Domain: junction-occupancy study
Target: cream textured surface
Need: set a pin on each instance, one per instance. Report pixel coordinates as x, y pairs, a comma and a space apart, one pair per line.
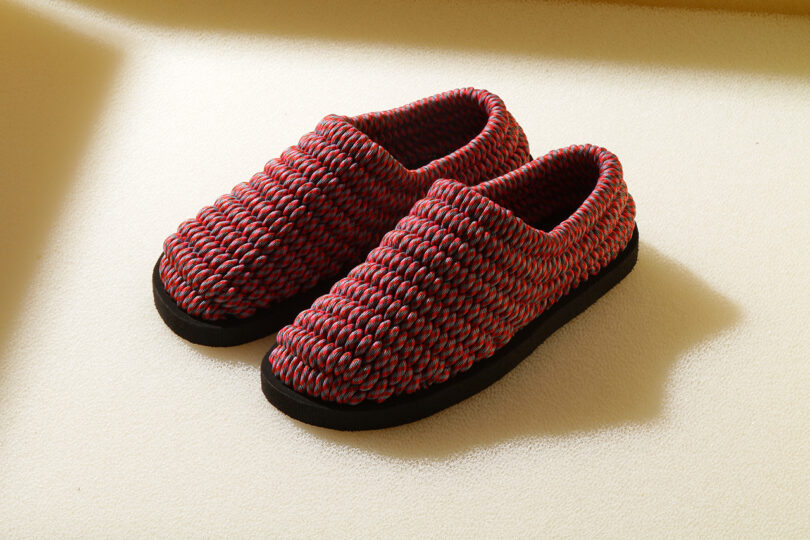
676, 406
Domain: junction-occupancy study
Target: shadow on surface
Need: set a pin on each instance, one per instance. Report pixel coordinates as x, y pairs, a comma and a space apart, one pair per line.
605, 369
54, 83
248, 354
606, 33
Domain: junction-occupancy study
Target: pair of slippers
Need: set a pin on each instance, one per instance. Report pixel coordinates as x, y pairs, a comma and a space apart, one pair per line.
407, 258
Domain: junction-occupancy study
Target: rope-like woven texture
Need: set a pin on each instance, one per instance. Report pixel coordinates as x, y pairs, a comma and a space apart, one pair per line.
458, 277
327, 201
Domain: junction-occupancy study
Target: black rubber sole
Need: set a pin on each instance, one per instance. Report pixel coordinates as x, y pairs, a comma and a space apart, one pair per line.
408, 408
229, 332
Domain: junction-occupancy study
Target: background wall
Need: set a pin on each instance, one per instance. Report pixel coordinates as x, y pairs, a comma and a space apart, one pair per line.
794, 7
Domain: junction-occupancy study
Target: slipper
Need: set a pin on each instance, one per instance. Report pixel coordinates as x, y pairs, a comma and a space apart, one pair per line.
244, 267
464, 288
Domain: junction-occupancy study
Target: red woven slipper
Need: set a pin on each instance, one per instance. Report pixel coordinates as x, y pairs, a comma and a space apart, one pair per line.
247, 265
464, 288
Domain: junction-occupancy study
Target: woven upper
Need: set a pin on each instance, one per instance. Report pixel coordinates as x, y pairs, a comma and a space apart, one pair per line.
464, 271
327, 201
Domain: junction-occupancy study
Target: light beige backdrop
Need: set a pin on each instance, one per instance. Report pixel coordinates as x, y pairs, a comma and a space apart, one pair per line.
675, 407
